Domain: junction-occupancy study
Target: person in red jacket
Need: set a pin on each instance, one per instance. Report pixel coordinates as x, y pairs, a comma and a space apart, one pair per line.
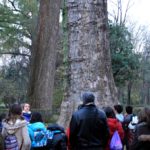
113, 125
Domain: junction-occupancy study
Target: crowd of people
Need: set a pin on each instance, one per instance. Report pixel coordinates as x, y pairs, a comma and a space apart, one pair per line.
90, 128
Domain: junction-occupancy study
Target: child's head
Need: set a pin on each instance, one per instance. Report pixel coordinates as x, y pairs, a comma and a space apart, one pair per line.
36, 117
129, 109
26, 107
15, 109
118, 108
109, 112
15, 112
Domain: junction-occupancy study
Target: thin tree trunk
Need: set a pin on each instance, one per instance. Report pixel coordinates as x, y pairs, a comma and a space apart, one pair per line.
44, 55
129, 92
89, 56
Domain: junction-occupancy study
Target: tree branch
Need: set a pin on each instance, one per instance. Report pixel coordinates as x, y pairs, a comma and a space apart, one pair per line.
14, 53
15, 9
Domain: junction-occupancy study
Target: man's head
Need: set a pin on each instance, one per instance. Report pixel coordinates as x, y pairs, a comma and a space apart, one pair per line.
88, 97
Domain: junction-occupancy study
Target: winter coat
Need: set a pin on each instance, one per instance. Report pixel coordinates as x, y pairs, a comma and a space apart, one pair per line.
26, 116
114, 125
19, 128
141, 139
128, 138
33, 127
120, 117
88, 129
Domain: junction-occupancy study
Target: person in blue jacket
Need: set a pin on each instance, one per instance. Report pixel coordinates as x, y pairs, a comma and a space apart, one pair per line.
37, 132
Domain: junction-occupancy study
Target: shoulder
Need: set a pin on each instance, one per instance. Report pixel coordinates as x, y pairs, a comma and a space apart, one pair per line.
141, 125
36, 125
101, 113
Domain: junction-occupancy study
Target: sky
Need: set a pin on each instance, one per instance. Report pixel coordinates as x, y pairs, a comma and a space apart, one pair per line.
139, 11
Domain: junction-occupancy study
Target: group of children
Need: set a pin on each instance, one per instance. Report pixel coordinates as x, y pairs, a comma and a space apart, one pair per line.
134, 130
121, 122
25, 125
23, 130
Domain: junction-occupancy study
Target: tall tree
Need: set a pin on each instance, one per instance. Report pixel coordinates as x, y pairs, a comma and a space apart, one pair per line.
89, 56
44, 55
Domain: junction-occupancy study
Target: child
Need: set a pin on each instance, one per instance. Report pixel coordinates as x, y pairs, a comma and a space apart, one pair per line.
113, 125
37, 132
118, 112
15, 125
26, 113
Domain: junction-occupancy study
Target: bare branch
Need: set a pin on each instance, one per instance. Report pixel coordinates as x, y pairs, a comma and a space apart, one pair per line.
15, 9
126, 11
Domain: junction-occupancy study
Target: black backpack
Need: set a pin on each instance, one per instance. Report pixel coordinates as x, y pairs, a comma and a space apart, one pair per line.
57, 139
127, 120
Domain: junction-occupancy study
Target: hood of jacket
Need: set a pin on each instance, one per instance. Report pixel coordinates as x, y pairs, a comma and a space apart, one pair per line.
112, 123
11, 127
120, 117
37, 125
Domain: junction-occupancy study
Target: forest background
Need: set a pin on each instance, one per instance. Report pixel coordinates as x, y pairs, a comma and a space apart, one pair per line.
129, 49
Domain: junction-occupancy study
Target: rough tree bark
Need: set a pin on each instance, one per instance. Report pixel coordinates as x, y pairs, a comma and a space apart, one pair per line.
44, 55
89, 56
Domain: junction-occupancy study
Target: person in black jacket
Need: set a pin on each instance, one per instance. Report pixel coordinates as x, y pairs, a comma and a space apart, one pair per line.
88, 126
141, 139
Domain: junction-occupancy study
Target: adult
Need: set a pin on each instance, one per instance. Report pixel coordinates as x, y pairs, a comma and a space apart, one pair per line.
15, 124
88, 126
141, 139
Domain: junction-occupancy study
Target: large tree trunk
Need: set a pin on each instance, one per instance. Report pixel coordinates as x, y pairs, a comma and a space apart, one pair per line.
89, 56
44, 55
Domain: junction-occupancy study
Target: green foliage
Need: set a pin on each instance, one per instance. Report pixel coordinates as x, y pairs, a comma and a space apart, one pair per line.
125, 62
18, 20
13, 83
17, 24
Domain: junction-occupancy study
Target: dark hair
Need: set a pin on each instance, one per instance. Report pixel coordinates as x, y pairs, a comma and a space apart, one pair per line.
15, 109
129, 109
36, 117
144, 115
109, 112
15, 112
118, 108
88, 97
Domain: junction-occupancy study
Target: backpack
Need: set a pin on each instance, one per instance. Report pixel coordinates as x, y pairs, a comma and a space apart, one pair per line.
40, 138
56, 138
115, 143
10, 142
127, 120
133, 122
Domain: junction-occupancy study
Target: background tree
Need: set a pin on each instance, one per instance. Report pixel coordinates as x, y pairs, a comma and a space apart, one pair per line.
13, 82
125, 62
17, 29
44, 55
123, 46
145, 71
